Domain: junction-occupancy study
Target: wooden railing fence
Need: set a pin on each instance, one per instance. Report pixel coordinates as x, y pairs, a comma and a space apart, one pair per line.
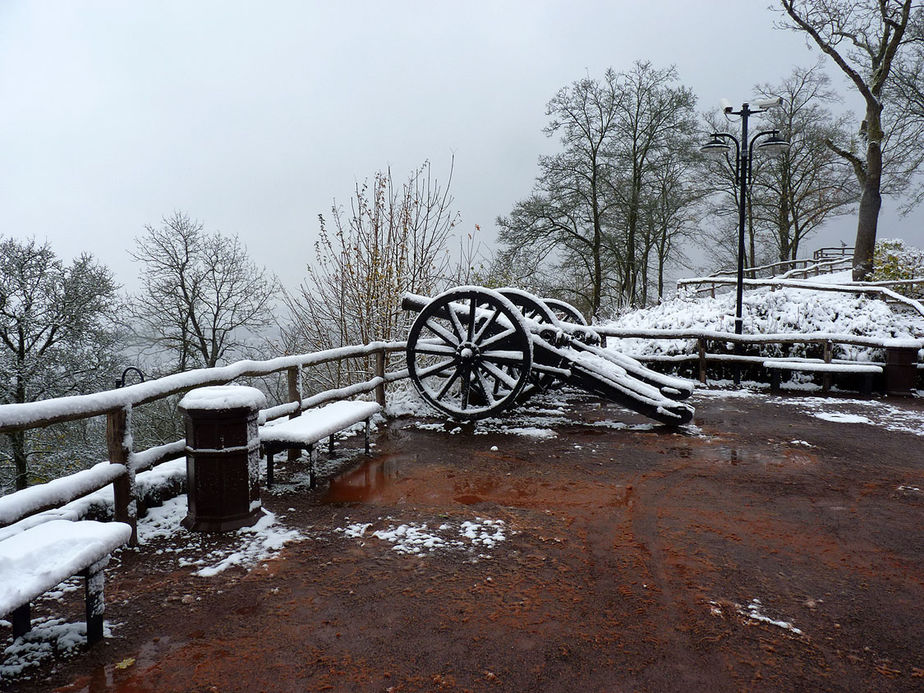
124, 462
703, 338
753, 275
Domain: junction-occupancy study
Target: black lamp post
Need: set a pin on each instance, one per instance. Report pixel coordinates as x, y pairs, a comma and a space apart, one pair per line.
744, 153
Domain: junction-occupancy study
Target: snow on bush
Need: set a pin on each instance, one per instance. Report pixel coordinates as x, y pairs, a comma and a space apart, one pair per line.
798, 311
895, 259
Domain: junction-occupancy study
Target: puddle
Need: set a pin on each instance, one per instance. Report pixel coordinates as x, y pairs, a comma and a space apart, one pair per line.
122, 675
368, 482
405, 480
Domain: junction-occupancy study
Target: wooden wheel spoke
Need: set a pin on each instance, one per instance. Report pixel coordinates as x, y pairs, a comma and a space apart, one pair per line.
441, 332
486, 326
499, 375
498, 338
472, 309
448, 384
433, 349
434, 369
485, 390
454, 320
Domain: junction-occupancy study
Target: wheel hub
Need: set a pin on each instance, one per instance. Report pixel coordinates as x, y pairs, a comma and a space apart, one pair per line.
467, 352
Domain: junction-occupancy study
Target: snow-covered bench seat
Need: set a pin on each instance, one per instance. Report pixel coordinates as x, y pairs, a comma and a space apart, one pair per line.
40, 557
865, 370
313, 425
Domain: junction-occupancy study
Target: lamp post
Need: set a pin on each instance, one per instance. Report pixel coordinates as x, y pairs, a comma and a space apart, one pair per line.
744, 153
120, 382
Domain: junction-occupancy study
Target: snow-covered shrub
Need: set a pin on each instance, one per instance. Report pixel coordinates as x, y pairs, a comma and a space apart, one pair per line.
798, 311
894, 259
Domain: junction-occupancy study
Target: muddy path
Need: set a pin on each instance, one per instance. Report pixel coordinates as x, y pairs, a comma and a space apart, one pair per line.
573, 548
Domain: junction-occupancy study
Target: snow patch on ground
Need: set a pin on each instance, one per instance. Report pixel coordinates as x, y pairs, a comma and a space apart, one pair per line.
49, 638
246, 547
839, 417
753, 612
872, 412
470, 536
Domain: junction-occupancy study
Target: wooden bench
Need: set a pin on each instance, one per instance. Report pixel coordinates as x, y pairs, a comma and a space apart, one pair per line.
42, 556
313, 425
865, 370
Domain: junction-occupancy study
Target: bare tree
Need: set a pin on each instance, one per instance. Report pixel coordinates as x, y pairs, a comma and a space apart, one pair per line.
796, 192
395, 239
655, 117
569, 207
201, 293
57, 333
864, 38
585, 211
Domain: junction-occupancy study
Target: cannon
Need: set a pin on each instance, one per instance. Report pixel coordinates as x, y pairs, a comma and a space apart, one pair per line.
474, 352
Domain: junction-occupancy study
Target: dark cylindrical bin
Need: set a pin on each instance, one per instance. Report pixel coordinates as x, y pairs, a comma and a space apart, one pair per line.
901, 366
222, 457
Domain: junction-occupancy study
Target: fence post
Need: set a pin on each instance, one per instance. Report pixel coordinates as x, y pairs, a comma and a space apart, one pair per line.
380, 373
293, 378
828, 354
118, 442
701, 345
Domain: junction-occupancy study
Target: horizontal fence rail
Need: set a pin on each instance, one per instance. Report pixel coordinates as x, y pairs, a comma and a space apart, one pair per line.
805, 267
117, 406
702, 357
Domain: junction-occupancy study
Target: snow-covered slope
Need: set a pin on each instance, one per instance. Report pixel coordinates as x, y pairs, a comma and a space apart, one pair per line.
771, 312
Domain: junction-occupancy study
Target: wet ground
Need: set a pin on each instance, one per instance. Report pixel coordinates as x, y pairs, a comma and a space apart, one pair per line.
574, 547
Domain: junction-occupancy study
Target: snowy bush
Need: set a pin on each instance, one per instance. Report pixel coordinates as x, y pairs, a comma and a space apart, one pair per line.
790, 311
894, 259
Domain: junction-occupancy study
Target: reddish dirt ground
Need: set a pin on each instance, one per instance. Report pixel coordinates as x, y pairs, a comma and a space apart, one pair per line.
630, 558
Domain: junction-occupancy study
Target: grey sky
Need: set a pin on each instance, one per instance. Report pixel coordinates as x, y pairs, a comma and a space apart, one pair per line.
253, 116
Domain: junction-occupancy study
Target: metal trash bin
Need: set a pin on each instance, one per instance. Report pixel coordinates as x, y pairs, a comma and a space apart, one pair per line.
901, 366
222, 457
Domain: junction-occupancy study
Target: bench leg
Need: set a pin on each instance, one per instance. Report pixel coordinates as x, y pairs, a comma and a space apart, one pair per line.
367, 436
866, 384
269, 468
311, 482
22, 620
96, 605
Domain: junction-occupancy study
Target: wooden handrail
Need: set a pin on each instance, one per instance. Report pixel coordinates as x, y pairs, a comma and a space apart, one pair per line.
15, 417
117, 405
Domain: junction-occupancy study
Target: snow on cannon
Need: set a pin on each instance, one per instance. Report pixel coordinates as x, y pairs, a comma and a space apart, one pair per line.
473, 352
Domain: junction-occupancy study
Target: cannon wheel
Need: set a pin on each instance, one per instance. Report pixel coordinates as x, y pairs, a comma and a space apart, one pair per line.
531, 306
565, 311
534, 308
469, 353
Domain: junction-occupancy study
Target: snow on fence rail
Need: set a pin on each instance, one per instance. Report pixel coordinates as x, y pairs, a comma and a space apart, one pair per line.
124, 462
798, 268
804, 267
826, 340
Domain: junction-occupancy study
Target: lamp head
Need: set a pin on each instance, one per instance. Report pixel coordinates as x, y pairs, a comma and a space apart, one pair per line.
773, 145
715, 147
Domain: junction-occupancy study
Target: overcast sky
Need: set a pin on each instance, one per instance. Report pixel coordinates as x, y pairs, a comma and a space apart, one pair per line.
253, 116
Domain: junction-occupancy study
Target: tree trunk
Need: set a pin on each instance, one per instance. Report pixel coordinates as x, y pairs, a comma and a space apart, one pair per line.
868, 216
18, 446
